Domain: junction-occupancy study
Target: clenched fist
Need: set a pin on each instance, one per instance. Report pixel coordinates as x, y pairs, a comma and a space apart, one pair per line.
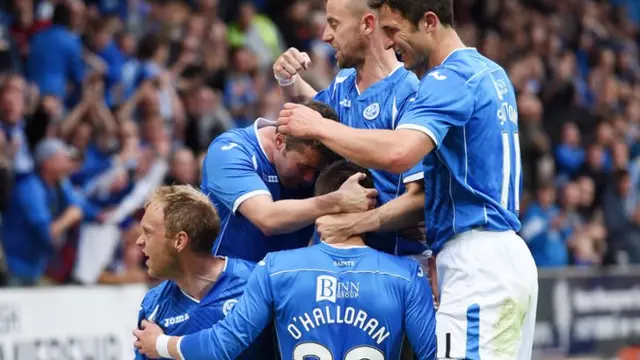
290, 63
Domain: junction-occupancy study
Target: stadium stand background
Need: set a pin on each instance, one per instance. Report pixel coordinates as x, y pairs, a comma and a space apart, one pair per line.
139, 89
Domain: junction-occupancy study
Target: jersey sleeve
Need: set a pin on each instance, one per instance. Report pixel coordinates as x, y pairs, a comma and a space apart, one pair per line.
443, 101
229, 337
231, 175
416, 173
324, 96
419, 317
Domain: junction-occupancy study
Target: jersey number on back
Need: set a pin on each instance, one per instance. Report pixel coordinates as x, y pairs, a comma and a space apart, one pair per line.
508, 113
508, 156
306, 350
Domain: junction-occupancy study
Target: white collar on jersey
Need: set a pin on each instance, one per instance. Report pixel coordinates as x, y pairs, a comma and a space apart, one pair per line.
345, 247
259, 124
456, 50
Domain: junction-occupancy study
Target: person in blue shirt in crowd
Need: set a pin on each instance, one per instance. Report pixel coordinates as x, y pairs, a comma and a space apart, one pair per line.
546, 230
107, 49
42, 208
347, 301
12, 109
370, 92
261, 183
199, 289
465, 113
56, 56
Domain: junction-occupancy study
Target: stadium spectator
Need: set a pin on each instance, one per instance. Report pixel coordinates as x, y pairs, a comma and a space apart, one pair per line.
622, 217
9, 51
13, 90
56, 54
545, 229
42, 209
258, 33
182, 168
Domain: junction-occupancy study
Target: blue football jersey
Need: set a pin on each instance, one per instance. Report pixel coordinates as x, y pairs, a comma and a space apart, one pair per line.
235, 169
467, 106
378, 107
179, 314
328, 303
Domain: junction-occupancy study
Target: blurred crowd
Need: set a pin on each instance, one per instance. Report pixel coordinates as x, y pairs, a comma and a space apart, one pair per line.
101, 101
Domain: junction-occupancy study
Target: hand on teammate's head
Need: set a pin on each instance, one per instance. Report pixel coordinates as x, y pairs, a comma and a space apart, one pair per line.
299, 121
355, 197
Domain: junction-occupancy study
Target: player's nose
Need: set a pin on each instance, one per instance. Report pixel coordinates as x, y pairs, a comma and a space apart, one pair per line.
326, 35
140, 241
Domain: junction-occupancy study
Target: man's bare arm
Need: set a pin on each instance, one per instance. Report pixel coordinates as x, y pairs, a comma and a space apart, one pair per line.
299, 92
284, 216
391, 150
403, 212
286, 70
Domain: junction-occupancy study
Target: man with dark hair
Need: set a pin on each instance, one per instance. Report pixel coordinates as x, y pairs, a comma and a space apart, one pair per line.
337, 173
371, 91
178, 229
261, 183
346, 301
465, 112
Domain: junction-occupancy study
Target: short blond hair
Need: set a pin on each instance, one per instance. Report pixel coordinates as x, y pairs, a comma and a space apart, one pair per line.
187, 209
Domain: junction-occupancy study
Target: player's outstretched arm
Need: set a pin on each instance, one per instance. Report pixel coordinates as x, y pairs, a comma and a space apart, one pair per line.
392, 150
229, 337
286, 69
226, 339
284, 216
229, 174
405, 211
420, 318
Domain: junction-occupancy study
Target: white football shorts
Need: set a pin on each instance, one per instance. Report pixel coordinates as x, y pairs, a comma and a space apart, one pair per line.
488, 285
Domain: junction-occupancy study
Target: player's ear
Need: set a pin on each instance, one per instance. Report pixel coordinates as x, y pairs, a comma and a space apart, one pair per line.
280, 141
368, 23
429, 21
181, 241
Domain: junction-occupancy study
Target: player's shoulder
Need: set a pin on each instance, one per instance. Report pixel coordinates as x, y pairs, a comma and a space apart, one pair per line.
466, 65
405, 77
239, 268
404, 86
397, 266
235, 141
156, 294
290, 260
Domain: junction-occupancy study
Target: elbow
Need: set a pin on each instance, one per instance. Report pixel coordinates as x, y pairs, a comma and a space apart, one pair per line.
399, 160
266, 226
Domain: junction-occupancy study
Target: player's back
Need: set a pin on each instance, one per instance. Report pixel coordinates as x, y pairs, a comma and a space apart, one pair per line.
348, 303
472, 115
179, 314
378, 107
236, 168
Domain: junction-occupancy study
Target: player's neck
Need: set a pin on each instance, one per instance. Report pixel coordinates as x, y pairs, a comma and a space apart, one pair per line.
198, 274
377, 65
352, 241
448, 41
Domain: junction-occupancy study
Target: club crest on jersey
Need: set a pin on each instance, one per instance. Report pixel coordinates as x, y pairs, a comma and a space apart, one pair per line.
228, 305
372, 111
